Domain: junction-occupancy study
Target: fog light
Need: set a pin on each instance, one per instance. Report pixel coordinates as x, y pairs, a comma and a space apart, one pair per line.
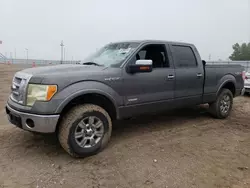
30, 123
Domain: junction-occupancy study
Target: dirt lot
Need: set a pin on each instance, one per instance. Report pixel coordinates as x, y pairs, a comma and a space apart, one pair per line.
184, 149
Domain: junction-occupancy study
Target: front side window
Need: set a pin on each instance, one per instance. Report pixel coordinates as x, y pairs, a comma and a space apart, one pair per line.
112, 55
184, 56
156, 53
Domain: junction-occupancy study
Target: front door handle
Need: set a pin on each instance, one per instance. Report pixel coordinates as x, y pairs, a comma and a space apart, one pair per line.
199, 75
170, 77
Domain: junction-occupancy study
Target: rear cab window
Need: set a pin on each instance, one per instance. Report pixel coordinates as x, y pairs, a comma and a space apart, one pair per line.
183, 56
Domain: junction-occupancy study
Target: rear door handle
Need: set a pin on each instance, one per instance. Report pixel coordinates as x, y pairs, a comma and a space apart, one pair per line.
199, 75
170, 77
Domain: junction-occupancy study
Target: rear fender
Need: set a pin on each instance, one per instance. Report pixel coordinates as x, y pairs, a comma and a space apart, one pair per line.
223, 81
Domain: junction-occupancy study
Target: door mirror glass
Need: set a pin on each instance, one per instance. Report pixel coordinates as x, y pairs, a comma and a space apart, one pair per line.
141, 66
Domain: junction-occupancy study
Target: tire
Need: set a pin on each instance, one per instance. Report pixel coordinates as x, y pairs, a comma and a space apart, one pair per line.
218, 109
76, 123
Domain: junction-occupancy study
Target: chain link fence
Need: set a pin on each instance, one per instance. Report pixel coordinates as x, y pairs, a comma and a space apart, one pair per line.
34, 61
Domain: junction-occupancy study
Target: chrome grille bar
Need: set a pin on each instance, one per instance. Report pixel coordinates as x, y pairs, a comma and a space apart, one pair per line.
19, 87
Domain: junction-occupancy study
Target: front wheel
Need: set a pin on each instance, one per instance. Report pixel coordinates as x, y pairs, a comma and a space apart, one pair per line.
85, 130
222, 107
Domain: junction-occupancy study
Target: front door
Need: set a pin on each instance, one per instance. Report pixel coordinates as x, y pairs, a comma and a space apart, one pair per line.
151, 91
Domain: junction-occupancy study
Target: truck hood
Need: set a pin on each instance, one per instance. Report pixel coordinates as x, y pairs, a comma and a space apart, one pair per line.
62, 70
64, 75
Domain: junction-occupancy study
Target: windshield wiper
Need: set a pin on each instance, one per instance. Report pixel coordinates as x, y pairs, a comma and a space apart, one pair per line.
91, 63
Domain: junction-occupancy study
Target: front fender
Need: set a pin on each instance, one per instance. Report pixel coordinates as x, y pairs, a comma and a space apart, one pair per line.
62, 98
87, 87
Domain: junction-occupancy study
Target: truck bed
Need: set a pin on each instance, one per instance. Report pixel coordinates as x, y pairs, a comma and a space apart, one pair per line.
216, 74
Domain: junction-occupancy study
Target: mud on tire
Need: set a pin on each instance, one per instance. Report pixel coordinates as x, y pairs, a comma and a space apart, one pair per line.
74, 120
222, 107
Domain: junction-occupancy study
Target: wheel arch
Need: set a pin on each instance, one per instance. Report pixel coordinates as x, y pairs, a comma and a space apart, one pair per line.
91, 97
228, 84
228, 81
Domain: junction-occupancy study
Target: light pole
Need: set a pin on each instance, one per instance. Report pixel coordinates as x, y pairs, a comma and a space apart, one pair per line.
62, 45
64, 58
27, 54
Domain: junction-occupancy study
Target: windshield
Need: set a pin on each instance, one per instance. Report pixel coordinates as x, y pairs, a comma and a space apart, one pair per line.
112, 55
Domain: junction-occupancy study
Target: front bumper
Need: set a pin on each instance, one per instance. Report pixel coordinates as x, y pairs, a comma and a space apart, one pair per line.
32, 122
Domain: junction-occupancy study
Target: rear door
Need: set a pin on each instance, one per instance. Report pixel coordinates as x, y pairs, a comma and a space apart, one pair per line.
189, 75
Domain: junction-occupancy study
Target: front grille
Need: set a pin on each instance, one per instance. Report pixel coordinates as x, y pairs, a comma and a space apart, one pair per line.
16, 88
19, 87
17, 80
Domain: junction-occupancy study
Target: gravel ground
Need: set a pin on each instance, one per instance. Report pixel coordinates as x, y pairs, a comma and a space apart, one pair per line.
180, 149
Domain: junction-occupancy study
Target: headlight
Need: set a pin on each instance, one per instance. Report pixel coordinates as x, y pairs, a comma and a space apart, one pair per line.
37, 92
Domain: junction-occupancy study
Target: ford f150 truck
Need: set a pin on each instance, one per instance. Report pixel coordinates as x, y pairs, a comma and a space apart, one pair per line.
121, 80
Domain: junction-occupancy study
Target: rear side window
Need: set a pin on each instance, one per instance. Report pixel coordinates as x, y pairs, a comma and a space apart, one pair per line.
184, 56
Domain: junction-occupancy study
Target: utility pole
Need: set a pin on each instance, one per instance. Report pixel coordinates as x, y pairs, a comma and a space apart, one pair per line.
64, 55
27, 54
6, 57
11, 58
62, 45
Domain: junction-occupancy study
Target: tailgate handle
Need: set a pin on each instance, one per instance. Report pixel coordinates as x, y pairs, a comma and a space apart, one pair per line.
199, 75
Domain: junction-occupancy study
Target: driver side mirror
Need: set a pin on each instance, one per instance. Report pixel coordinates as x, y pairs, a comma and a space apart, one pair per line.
144, 65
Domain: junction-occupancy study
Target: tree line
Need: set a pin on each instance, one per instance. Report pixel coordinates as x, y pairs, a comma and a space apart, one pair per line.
240, 52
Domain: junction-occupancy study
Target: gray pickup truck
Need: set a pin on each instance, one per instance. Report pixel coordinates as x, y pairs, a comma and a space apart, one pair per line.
121, 80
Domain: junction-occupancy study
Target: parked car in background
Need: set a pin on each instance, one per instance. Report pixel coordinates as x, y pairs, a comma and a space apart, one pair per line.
247, 82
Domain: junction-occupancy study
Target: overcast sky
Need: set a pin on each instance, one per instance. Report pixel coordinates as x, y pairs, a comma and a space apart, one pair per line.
84, 25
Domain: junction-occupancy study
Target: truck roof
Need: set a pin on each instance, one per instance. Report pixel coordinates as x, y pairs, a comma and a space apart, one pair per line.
155, 41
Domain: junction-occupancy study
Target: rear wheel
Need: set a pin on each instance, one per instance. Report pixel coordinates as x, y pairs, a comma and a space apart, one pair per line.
85, 130
222, 107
